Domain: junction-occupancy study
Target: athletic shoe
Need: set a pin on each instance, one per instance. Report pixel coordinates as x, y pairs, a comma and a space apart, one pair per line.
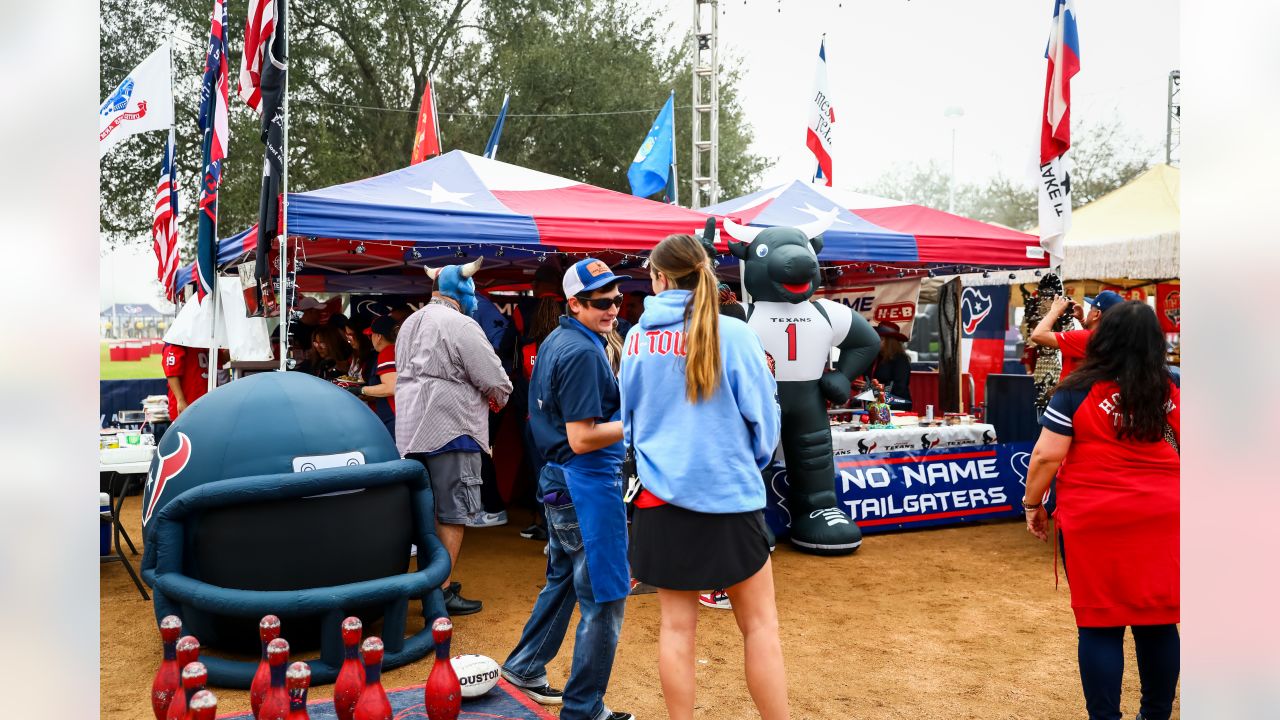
487, 519
534, 532
544, 694
717, 599
413, 551
620, 716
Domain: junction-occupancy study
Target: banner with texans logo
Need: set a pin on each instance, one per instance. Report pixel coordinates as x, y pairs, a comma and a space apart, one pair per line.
893, 302
1169, 306
984, 319
913, 489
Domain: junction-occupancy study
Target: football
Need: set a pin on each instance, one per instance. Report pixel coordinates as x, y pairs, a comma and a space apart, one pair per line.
477, 674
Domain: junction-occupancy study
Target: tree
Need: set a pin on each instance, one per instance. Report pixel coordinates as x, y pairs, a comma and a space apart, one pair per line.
577, 73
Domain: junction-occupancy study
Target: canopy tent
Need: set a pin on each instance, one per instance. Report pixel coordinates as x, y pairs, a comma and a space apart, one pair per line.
1132, 232
892, 233
460, 203
133, 311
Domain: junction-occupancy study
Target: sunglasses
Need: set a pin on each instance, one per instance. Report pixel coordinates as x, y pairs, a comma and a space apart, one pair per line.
602, 303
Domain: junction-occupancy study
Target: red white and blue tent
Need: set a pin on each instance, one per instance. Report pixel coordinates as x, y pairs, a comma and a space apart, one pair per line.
463, 202
872, 229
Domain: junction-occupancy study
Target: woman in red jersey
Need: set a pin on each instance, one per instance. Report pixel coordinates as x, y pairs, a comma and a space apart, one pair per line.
1111, 435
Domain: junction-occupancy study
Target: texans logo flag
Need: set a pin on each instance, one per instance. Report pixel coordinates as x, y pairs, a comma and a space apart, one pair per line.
164, 227
1063, 54
650, 171
213, 125
426, 138
821, 117
984, 312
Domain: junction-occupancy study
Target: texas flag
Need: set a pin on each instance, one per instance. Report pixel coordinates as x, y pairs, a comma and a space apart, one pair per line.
1063, 54
821, 117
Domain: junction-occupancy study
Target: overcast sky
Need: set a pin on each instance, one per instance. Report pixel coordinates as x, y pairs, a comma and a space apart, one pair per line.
894, 68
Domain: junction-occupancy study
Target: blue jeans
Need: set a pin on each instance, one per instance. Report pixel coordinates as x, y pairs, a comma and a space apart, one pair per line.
1101, 653
568, 582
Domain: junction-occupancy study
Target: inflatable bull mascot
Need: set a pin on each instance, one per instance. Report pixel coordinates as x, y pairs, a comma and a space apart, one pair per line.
781, 273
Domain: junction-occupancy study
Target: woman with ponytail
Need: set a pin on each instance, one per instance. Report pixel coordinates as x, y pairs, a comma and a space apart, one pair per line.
699, 410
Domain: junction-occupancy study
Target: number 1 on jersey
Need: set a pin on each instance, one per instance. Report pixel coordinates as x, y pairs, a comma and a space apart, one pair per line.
791, 342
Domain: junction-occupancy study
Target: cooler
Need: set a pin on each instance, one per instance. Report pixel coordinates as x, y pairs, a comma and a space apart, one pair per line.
117, 351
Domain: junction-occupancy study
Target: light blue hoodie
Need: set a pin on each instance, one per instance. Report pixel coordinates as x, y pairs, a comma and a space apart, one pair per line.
705, 457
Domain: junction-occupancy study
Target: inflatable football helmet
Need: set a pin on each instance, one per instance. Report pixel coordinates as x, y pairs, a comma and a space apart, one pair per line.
281, 494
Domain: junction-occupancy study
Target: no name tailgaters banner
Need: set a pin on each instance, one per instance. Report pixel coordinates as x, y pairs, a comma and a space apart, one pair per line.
912, 489
893, 302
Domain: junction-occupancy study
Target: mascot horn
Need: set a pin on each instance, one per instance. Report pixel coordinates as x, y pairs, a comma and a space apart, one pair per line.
455, 282
780, 271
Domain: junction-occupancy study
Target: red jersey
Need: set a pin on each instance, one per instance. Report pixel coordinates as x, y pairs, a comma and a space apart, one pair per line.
1118, 511
191, 367
387, 364
1072, 344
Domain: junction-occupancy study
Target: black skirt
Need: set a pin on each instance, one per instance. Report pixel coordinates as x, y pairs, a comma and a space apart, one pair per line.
677, 549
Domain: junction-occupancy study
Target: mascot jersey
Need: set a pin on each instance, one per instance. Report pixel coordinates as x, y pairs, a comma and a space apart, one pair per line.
799, 336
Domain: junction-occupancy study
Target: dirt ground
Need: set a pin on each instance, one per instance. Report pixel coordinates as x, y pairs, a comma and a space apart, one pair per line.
949, 623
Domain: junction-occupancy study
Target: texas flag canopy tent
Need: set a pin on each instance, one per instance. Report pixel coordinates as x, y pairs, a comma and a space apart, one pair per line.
878, 230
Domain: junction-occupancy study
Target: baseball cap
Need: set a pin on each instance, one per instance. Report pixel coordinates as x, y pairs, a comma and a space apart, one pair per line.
587, 275
383, 325
1104, 300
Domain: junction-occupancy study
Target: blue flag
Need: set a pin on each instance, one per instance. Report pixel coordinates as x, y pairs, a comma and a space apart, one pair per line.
491, 149
651, 170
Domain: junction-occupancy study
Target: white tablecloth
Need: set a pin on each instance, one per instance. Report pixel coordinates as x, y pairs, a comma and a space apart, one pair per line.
126, 460
867, 442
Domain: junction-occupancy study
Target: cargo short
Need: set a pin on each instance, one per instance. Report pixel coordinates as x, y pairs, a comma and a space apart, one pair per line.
455, 483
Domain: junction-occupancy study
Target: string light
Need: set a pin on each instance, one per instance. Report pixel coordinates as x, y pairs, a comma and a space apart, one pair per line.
416, 254
359, 249
499, 252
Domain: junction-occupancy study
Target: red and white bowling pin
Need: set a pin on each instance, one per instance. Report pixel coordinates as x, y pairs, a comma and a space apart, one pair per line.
297, 679
275, 706
346, 691
268, 630
203, 706
193, 679
442, 691
373, 703
188, 651
167, 683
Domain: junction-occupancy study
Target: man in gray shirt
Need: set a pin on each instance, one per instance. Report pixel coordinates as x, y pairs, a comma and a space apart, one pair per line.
448, 378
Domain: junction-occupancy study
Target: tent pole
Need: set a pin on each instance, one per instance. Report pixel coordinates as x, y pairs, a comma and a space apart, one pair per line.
284, 212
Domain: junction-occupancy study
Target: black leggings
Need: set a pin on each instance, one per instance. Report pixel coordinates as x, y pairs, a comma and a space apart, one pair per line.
1102, 669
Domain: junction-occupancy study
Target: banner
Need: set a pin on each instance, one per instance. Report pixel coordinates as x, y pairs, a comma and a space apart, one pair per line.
1168, 304
911, 489
822, 115
893, 302
984, 320
1133, 293
650, 172
142, 101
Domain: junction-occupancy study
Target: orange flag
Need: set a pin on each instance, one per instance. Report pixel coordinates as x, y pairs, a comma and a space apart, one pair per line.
426, 139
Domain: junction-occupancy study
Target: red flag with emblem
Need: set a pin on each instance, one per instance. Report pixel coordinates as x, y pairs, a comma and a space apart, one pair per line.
426, 139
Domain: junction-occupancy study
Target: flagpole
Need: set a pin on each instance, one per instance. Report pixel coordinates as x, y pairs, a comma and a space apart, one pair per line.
675, 176
284, 211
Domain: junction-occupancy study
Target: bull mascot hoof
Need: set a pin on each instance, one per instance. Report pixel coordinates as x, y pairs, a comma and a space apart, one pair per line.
781, 273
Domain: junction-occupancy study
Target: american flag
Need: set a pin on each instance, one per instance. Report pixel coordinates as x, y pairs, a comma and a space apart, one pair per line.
213, 126
258, 30
164, 229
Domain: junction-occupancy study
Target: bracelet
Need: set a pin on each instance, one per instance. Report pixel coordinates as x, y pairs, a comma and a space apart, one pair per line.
1031, 506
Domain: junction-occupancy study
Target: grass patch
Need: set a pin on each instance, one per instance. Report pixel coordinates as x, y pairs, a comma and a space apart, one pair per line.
127, 370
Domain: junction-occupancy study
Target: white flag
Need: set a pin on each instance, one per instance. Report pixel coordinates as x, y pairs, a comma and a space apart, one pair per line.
142, 101
1055, 206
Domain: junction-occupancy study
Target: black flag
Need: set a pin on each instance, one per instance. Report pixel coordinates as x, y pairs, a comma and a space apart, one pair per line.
274, 68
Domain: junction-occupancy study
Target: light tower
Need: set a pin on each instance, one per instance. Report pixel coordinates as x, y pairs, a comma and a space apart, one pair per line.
705, 165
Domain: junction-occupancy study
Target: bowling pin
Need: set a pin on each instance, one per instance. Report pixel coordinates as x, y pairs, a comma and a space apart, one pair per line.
268, 630
188, 651
167, 682
203, 706
297, 680
275, 706
373, 703
442, 691
346, 691
194, 677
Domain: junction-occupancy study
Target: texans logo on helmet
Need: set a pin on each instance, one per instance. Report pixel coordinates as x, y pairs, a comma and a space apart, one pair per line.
975, 306
166, 469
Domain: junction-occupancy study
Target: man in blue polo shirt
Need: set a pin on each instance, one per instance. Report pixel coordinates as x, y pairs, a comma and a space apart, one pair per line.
574, 409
